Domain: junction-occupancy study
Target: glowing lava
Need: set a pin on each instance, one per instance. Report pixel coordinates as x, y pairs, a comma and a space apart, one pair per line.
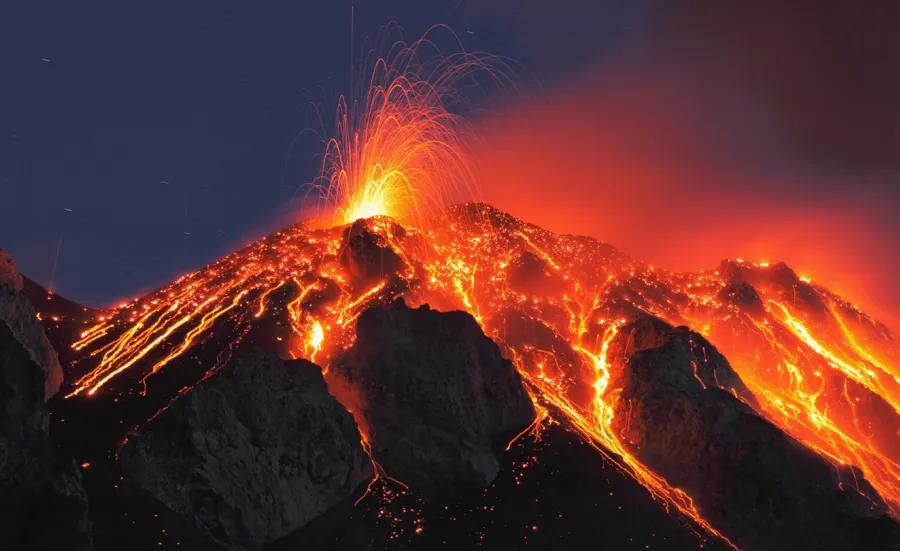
820, 369
399, 144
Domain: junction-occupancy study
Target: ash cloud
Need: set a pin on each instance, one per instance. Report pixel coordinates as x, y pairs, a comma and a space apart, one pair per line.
697, 131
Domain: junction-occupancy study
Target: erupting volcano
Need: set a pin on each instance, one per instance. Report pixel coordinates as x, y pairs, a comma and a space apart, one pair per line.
813, 365
578, 319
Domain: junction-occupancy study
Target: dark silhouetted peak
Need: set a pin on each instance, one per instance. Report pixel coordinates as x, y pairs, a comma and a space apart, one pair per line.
252, 453
778, 279
433, 395
20, 316
42, 503
368, 256
709, 368
758, 486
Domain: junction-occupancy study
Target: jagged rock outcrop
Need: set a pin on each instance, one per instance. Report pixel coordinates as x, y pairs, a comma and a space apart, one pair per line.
8, 273
708, 366
42, 503
433, 394
252, 453
530, 273
742, 295
21, 318
780, 279
367, 256
760, 487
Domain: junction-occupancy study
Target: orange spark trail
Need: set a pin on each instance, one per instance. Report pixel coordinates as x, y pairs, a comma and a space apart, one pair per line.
205, 323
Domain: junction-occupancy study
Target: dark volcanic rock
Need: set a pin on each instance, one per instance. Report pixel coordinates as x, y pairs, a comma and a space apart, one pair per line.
760, 487
367, 256
252, 453
20, 317
708, 366
779, 278
744, 296
433, 394
42, 503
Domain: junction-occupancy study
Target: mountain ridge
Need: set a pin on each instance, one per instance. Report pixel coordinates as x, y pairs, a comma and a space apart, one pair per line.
814, 365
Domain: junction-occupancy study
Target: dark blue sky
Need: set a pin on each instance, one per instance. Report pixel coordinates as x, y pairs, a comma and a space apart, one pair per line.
104, 101
154, 120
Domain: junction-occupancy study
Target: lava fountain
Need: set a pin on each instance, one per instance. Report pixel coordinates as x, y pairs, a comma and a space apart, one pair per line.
399, 145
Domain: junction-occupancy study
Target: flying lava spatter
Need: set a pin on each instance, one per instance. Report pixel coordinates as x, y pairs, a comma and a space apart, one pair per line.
398, 147
817, 367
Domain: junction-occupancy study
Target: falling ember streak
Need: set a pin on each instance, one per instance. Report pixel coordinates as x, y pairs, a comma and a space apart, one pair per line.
535, 427
92, 334
262, 299
350, 311
55, 262
859, 372
205, 323
136, 357
540, 251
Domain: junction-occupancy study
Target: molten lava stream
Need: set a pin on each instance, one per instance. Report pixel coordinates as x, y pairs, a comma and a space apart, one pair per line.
476, 267
815, 381
818, 384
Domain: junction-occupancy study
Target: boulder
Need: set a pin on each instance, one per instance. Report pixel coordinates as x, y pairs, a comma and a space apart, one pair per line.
708, 367
433, 395
250, 454
367, 256
42, 502
20, 317
764, 490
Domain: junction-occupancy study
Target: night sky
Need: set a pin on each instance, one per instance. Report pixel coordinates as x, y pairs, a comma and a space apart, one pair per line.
144, 140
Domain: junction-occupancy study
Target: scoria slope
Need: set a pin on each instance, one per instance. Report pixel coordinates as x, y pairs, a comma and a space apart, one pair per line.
808, 362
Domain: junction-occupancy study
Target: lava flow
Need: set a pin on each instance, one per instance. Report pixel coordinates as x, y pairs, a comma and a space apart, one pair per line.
820, 369
817, 367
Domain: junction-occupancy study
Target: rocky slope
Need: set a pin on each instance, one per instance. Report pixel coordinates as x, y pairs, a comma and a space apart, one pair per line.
681, 415
42, 502
251, 454
436, 400
433, 395
20, 317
